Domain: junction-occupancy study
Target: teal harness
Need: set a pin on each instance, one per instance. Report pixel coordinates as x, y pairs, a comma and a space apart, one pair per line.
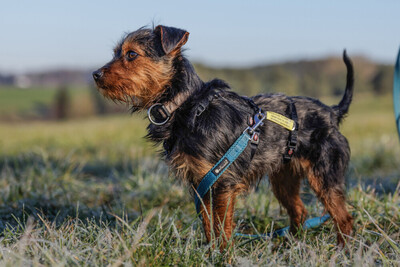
250, 134
230, 156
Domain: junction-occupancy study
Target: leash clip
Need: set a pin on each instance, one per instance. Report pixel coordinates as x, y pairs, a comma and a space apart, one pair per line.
257, 122
161, 110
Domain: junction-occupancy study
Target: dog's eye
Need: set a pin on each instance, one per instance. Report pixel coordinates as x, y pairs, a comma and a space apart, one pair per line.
131, 55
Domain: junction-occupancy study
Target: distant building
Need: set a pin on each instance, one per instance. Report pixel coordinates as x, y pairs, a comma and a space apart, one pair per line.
23, 81
7, 79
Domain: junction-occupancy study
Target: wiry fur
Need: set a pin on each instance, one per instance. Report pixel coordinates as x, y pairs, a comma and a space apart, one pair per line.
193, 144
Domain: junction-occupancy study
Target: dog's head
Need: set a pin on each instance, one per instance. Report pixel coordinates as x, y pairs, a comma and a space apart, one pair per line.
142, 67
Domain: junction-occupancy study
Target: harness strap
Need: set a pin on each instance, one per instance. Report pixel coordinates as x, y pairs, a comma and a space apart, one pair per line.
292, 142
203, 105
212, 176
230, 156
256, 138
252, 104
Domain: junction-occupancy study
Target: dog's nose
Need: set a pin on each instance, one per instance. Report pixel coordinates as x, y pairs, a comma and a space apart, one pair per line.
97, 74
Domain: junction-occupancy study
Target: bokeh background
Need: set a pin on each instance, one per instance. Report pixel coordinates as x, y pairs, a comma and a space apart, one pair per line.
49, 49
66, 152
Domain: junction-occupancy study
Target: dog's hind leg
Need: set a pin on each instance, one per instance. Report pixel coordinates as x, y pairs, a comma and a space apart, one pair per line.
334, 200
331, 193
286, 187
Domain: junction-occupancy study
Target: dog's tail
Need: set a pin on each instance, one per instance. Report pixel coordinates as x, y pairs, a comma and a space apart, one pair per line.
343, 107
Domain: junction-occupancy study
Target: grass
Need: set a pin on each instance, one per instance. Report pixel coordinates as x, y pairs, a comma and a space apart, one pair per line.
14, 99
20, 104
92, 192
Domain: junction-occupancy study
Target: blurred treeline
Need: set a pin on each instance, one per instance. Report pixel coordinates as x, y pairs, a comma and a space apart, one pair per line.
316, 78
53, 95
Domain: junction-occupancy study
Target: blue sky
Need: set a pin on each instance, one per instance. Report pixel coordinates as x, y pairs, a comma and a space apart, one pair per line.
43, 34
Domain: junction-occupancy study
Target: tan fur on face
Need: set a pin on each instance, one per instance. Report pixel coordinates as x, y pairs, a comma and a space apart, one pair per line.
143, 78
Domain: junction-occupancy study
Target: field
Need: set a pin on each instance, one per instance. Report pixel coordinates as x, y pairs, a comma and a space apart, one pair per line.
93, 192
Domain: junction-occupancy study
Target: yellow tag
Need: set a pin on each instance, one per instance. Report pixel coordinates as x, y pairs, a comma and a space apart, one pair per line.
281, 120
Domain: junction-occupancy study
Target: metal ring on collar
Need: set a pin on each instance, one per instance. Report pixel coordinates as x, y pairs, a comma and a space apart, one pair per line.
150, 116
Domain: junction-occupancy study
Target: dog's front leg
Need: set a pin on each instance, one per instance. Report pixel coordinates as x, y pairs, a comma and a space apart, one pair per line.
218, 218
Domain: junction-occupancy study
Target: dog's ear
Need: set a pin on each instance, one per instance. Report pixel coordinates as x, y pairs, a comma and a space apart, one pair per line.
171, 38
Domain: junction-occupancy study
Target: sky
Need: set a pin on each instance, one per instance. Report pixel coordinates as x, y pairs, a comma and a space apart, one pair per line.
48, 34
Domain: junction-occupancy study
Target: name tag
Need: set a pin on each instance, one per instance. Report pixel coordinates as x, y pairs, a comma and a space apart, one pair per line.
281, 120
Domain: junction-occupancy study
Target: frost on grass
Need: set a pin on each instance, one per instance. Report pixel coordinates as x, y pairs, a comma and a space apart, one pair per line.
58, 210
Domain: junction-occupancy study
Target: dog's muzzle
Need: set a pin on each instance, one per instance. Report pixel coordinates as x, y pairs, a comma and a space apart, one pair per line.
98, 74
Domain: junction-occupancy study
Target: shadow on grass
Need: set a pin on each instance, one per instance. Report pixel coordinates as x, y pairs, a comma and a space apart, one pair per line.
60, 188
16, 214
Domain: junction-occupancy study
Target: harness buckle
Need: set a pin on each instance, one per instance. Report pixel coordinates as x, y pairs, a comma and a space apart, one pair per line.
257, 121
291, 147
162, 112
292, 144
200, 109
255, 138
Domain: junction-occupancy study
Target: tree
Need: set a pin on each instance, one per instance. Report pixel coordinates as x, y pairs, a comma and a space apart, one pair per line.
62, 103
382, 80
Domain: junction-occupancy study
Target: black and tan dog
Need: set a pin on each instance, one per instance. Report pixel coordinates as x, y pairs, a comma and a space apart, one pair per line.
198, 121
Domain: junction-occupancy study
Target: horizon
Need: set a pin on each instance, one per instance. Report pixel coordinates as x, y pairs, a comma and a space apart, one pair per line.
247, 66
45, 35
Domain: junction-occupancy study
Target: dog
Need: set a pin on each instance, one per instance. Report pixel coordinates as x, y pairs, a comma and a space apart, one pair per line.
198, 121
